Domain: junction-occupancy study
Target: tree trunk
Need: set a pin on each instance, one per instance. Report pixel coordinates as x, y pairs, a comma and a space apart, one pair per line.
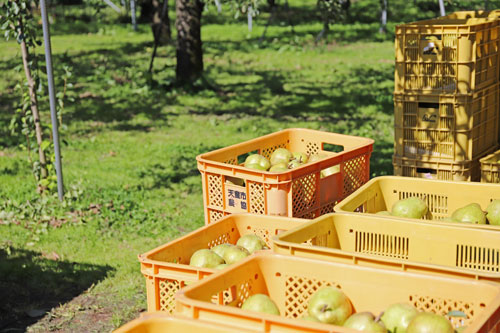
161, 22
189, 51
34, 103
383, 17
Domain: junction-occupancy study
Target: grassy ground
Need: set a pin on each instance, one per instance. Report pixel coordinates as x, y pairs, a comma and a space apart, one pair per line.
130, 145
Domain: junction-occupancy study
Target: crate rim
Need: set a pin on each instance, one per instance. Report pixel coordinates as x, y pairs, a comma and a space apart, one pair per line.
144, 258
338, 208
466, 164
258, 317
298, 171
459, 98
487, 157
158, 316
404, 265
435, 22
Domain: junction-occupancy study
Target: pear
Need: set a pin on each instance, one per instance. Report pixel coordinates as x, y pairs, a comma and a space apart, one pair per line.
234, 254
398, 316
280, 167
383, 212
493, 212
280, 155
365, 322
310, 318
251, 242
205, 258
294, 164
221, 248
330, 305
472, 213
260, 303
429, 322
301, 157
256, 161
412, 207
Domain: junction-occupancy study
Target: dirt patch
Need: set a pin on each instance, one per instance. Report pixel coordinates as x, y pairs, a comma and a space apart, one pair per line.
86, 313
33, 284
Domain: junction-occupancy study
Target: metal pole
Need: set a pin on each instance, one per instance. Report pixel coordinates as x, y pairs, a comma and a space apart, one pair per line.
52, 99
112, 5
132, 10
249, 18
442, 11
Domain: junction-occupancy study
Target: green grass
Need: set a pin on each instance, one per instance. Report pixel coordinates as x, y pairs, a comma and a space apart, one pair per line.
130, 145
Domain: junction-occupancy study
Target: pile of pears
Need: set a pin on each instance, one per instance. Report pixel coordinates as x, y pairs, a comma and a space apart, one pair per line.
416, 208
329, 305
282, 160
222, 255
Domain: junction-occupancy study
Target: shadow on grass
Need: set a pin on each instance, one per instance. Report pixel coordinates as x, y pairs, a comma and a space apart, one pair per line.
33, 283
113, 89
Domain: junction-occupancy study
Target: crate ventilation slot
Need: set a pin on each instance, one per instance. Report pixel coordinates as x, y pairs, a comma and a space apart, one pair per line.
382, 245
438, 204
478, 258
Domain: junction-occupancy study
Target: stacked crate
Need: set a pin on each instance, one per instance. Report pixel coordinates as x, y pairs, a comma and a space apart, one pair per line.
446, 97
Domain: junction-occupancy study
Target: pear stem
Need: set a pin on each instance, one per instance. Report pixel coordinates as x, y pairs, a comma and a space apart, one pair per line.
377, 319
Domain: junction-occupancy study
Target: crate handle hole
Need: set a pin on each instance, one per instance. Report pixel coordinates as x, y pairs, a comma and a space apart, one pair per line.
423, 105
332, 148
427, 170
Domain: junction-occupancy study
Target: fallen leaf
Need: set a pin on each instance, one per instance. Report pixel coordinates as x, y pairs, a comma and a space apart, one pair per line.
51, 256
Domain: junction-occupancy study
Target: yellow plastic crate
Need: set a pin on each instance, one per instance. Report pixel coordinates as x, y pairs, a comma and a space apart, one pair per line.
290, 282
446, 127
161, 323
167, 270
299, 192
442, 197
454, 54
369, 238
490, 168
469, 171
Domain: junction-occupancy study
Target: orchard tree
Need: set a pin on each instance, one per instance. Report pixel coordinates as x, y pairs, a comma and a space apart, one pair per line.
331, 11
188, 24
189, 52
156, 13
17, 21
